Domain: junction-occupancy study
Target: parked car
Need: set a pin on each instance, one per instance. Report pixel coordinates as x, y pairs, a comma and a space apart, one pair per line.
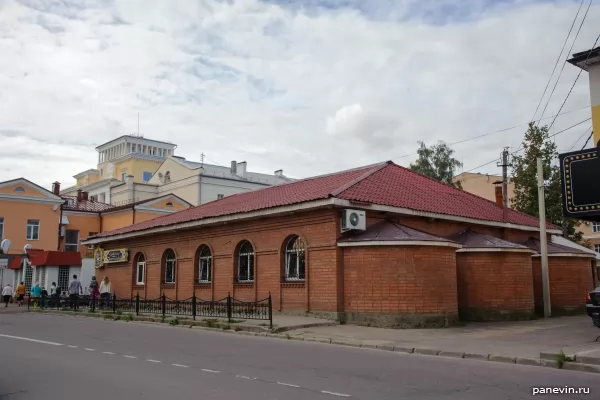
592, 306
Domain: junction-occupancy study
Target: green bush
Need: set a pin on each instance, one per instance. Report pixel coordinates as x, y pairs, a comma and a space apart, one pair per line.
174, 321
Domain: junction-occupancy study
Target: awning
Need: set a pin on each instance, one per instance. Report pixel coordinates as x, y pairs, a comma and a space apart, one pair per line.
64, 220
15, 262
56, 258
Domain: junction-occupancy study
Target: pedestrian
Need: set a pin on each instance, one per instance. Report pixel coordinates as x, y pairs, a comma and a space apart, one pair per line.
36, 293
54, 292
74, 292
94, 292
44, 292
105, 291
7, 293
20, 294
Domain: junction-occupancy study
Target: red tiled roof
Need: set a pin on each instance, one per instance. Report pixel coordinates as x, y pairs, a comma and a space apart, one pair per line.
388, 231
385, 184
84, 205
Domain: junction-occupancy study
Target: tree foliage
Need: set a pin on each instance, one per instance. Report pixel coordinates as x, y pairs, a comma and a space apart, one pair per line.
537, 143
437, 162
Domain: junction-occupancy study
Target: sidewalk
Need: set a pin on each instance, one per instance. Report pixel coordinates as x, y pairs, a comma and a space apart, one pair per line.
12, 309
525, 339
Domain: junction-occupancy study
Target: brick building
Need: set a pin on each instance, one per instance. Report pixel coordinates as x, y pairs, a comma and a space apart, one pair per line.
378, 245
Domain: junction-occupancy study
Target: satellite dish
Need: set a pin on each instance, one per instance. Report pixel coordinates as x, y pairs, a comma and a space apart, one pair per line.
26, 247
5, 245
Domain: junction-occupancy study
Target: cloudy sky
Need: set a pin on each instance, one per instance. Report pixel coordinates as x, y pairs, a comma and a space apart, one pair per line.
309, 86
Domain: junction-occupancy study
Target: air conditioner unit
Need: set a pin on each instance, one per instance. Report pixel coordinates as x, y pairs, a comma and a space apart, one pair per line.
353, 220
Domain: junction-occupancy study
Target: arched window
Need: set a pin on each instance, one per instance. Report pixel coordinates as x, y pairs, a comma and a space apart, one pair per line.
169, 264
140, 269
295, 269
169, 204
245, 262
19, 189
204, 264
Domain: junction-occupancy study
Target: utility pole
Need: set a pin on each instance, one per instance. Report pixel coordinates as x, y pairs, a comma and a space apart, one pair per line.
543, 239
504, 165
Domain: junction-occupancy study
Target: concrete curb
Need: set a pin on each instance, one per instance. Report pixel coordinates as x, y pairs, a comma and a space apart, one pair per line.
547, 360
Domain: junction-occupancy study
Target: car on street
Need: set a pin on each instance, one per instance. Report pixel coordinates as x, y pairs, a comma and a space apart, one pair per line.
592, 306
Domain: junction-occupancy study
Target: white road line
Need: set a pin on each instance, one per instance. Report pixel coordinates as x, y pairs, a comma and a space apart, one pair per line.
154, 361
244, 377
89, 349
32, 340
335, 394
72, 347
211, 371
180, 365
130, 356
108, 352
287, 384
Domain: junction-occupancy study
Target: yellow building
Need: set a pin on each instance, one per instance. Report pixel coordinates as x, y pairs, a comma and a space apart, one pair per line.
589, 61
483, 185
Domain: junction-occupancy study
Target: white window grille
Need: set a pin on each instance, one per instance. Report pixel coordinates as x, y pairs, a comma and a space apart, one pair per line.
295, 269
33, 229
597, 248
596, 227
204, 264
170, 262
71, 240
28, 277
245, 272
140, 270
63, 279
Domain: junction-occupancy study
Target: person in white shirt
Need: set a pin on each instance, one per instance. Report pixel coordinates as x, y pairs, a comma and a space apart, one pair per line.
105, 291
7, 293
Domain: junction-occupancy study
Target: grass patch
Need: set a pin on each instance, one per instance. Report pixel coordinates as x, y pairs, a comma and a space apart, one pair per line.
116, 317
174, 321
226, 327
128, 317
119, 312
237, 321
108, 316
163, 318
560, 359
211, 322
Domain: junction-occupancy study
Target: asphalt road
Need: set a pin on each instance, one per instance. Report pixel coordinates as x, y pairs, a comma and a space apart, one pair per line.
52, 357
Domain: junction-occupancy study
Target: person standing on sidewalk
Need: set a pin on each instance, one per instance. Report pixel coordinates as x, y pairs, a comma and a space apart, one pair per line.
7, 293
20, 294
74, 292
105, 291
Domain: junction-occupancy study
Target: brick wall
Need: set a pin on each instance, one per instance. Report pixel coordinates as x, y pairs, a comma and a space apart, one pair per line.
570, 280
400, 281
319, 229
494, 286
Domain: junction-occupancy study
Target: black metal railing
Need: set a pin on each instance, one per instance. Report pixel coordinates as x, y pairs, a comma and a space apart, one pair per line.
227, 307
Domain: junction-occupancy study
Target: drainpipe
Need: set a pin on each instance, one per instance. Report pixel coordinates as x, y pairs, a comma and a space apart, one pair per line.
60, 226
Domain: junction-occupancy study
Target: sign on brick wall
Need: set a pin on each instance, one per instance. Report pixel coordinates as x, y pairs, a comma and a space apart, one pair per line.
580, 189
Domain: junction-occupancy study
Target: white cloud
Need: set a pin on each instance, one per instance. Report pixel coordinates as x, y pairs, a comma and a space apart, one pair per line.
276, 85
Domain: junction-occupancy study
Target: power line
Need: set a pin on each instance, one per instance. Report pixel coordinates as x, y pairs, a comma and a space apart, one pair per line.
489, 133
580, 137
578, 75
557, 60
565, 62
521, 147
588, 139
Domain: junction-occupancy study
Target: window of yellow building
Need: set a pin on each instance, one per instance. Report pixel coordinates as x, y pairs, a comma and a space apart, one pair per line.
33, 229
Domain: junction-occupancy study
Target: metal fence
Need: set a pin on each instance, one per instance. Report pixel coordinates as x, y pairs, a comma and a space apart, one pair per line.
227, 307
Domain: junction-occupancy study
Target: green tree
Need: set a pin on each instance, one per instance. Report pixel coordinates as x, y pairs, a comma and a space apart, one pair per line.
537, 143
437, 162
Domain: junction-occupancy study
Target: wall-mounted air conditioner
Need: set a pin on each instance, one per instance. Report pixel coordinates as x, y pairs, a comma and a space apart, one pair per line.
354, 220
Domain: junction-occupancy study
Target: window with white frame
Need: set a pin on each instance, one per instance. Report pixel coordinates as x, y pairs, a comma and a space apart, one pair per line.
204, 264
71, 240
596, 227
245, 264
295, 269
597, 248
140, 270
1, 228
63, 279
33, 229
170, 264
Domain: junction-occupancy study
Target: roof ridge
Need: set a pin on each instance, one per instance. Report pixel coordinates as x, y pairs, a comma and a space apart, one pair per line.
377, 168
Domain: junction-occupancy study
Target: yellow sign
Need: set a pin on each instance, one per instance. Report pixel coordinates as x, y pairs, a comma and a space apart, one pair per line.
115, 256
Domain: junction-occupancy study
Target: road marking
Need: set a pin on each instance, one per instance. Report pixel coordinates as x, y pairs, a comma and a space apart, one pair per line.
244, 377
287, 384
335, 394
211, 371
72, 347
89, 349
130, 356
154, 361
108, 352
180, 365
32, 340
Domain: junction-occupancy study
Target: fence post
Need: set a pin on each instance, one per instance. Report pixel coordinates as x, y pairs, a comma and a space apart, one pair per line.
270, 312
137, 304
114, 296
164, 304
28, 302
93, 301
194, 306
229, 311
